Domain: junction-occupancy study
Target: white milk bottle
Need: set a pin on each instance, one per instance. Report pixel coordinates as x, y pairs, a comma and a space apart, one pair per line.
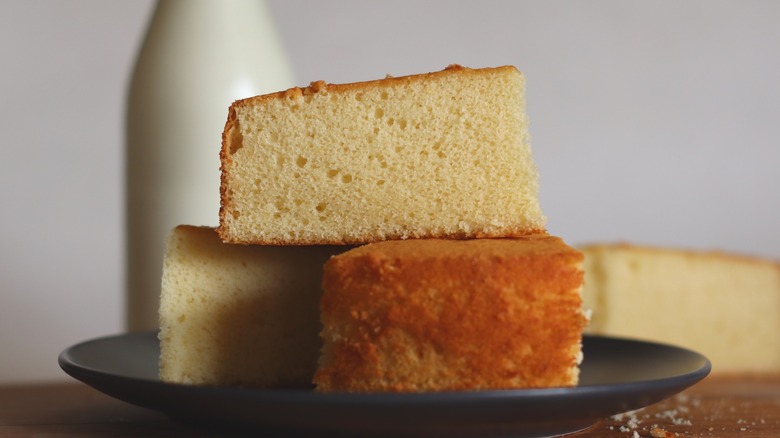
198, 56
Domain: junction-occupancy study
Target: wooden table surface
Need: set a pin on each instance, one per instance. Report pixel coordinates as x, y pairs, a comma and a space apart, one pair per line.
716, 407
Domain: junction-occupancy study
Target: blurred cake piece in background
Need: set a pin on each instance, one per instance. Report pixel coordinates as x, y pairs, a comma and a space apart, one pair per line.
724, 306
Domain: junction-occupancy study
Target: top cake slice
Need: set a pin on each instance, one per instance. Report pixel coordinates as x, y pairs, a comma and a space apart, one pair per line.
438, 155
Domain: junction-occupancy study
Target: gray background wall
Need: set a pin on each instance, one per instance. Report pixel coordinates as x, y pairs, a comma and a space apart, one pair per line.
652, 122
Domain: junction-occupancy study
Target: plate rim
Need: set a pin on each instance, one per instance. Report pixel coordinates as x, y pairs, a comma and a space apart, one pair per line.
107, 382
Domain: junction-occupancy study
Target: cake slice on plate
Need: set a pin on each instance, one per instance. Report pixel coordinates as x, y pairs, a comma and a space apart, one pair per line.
239, 315
724, 306
443, 154
437, 315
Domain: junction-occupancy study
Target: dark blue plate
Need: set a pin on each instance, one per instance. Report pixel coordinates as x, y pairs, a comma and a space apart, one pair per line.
617, 375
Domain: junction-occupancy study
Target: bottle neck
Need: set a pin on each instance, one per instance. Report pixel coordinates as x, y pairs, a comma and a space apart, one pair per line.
211, 10
216, 17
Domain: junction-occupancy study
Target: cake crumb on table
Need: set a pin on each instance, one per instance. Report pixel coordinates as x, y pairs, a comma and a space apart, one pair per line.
721, 406
657, 432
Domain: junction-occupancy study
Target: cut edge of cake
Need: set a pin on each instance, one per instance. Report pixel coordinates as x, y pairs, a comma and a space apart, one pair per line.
521, 216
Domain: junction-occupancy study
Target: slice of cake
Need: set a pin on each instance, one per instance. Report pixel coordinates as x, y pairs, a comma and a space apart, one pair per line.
724, 306
239, 315
435, 315
443, 154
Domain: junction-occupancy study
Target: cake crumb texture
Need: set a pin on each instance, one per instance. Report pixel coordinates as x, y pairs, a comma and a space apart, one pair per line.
239, 315
444, 154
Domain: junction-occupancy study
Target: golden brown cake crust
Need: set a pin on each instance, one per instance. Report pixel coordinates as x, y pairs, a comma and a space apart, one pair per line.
318, 86
452, 315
